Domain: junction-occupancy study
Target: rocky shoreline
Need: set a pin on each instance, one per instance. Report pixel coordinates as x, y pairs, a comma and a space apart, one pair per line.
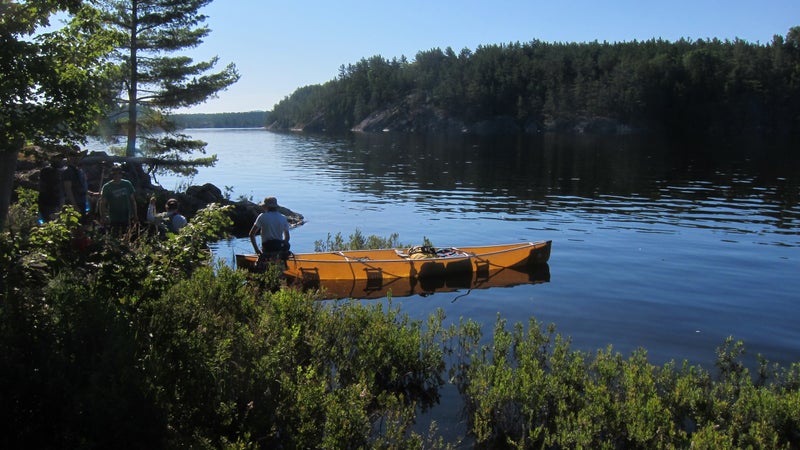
96, 164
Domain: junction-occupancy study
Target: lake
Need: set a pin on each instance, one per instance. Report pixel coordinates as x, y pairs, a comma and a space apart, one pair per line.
663, 245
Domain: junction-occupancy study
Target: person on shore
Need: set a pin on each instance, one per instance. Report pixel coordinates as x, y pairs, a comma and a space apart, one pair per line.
171, 220
274, 229
51, 190
118, 203
96, 176
75, 186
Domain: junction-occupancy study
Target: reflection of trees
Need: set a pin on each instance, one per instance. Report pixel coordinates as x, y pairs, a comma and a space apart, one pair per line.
507, 174
527, 167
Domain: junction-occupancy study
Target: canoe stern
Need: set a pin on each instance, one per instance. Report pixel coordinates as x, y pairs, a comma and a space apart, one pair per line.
540, 254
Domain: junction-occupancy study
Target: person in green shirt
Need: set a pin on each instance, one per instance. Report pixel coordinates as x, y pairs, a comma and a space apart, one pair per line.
117, 203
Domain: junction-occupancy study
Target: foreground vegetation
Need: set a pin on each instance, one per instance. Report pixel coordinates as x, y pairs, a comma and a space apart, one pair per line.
147, 343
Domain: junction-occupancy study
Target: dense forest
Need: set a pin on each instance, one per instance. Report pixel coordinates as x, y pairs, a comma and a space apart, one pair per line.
704, 86
252, 119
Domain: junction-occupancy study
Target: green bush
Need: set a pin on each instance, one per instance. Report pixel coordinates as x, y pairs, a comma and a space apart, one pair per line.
356, 241
147, 343
530, 390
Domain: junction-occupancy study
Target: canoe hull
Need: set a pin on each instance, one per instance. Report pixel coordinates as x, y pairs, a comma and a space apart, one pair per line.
405, 287
384, 264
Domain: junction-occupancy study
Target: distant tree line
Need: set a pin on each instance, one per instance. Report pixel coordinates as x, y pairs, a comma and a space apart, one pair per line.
250, 119
704, 86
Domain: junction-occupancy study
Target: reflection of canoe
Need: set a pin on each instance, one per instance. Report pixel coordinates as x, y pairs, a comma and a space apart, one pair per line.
385, 264
404, 287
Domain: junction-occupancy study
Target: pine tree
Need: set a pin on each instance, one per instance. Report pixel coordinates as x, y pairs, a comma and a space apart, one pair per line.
155, 78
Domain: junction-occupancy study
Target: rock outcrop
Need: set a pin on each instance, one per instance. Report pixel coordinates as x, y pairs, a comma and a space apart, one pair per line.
412, 115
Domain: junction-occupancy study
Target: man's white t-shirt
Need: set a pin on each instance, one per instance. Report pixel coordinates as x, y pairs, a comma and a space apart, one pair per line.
272, 224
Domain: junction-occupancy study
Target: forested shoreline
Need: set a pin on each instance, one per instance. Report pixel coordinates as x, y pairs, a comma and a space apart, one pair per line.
704, 87
250, 119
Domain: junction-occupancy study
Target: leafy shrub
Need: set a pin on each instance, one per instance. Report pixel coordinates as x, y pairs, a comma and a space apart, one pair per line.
357, 241
146, 342
23, 214
281, 368
107, 342
530, 390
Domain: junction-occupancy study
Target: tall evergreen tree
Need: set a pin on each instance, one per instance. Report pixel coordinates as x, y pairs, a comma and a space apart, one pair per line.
152, 83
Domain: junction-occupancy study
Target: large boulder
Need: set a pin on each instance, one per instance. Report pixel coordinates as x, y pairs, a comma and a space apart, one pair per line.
244, 212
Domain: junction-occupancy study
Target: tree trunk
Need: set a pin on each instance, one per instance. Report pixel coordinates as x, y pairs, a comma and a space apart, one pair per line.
134, 80
8, 166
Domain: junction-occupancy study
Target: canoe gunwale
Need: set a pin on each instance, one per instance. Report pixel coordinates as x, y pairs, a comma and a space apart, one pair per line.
308, 257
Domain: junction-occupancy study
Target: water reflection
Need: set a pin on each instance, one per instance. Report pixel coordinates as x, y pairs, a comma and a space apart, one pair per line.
636, 182
630, 179
406, 287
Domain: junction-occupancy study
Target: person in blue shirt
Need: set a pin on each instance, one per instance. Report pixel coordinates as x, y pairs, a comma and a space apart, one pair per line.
273, 227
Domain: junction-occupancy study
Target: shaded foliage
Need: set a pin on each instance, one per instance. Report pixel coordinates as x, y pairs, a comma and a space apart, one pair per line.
112, 342
109, 342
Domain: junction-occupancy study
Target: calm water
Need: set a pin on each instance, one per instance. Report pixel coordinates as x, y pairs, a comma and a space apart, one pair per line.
666, 246
660, 245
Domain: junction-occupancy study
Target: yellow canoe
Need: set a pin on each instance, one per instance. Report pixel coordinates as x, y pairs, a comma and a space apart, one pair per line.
386, 264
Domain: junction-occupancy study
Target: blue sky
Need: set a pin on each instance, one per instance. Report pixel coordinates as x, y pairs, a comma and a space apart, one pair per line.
279, 46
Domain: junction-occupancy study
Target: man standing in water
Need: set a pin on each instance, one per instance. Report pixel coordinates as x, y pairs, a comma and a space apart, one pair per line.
117, 202
274, 229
